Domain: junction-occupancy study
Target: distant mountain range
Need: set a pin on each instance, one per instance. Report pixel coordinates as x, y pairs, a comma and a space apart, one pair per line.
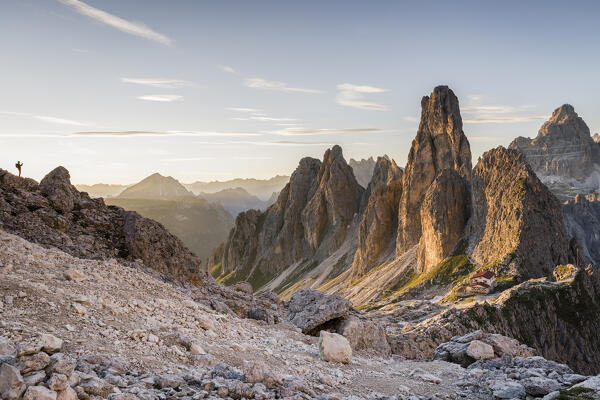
201, 225
237, 200
102, 190
262, 188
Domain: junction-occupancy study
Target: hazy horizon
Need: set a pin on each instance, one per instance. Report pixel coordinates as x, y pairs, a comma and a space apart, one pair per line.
202, 91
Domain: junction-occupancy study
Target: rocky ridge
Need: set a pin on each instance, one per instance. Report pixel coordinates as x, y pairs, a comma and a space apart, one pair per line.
309, 221
53, 213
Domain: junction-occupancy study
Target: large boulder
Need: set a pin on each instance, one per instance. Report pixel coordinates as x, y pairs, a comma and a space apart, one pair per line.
365, 336
56, 186
11, 383
334, 348
311, 310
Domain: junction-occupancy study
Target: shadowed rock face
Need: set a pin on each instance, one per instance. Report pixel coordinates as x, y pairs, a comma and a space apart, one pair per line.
562, 148
310, 219
379, 223
517, 224
444, 213
334, 202
55, 214
582, 218
440, 144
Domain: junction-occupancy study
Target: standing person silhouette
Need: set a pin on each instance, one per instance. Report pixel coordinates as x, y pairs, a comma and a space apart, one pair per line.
19, 164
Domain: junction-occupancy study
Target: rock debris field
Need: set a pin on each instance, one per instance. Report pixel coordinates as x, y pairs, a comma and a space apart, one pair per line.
73, 328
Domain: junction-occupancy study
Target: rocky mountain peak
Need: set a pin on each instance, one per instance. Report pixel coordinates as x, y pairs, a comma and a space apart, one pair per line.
565, 123
335, 199
563, 113
563, 150
517, 225
440, 144
156, 186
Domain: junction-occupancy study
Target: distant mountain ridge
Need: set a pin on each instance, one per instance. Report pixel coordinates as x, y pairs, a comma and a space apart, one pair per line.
564, 154
236, 200
157, 187
363, 170
102, 189
262, 188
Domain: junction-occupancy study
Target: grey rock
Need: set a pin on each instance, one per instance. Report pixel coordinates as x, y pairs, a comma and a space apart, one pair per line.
11, 383
310, 309
39, 393
538, 386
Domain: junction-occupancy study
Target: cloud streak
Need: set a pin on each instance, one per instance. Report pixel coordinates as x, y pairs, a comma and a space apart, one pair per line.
62, 121
505, 119
324, 131
260, 83
158, 83
132, 28
351, 95
165, 98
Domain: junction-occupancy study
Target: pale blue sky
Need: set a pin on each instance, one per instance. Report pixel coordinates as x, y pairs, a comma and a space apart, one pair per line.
245, 88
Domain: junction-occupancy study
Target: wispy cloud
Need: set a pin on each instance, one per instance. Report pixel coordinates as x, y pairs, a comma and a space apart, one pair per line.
174, 160
63, 121
260, 83
227, 68
351, 95
324, 131
478, 113
293, 143
161, 97
132, 28
265, 118
506, 119
244, 109
48, 118
158, 83
166, 133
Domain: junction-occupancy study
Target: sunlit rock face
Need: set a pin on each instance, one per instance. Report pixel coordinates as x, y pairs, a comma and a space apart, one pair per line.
440, 144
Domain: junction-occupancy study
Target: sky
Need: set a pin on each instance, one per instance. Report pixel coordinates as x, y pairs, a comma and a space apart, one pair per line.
115, 90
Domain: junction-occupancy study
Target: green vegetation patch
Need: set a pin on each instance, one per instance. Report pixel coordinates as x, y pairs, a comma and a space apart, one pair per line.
577, 393
295, 276
339, 267
450, 271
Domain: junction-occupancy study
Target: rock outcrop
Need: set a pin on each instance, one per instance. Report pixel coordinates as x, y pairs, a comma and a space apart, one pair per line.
582, 219
363, 170
440, 144
558, 319
308, 222
379, 223
517, 226
563, 154
53, 213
